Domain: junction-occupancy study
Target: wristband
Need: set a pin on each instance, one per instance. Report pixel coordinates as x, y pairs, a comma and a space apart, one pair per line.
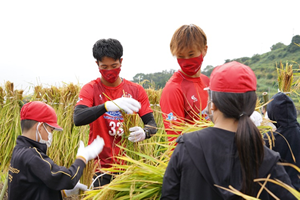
148, 135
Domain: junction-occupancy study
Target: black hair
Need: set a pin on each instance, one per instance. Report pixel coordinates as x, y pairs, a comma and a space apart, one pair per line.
27, 124
248, 140
107, 47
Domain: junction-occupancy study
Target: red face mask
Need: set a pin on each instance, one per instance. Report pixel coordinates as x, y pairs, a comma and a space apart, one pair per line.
110, 75
190, 66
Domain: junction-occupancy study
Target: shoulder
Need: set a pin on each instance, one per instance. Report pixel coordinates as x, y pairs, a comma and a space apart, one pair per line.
173, 84
196, 135
271, 159
91, 83
29, 156
89, 87
176, 78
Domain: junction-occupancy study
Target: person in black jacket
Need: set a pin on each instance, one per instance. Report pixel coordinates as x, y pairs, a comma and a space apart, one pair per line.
32, 174
231, 153
287, 135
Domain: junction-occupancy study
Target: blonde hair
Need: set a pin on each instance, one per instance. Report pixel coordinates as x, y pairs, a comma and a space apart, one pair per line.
188, 37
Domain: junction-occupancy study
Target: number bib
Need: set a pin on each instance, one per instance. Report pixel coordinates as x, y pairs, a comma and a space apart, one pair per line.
113, 120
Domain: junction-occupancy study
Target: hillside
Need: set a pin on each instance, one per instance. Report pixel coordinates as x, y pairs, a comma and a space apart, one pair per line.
264, 65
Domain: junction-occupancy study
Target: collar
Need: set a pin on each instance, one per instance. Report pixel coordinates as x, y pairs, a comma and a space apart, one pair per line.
29, 143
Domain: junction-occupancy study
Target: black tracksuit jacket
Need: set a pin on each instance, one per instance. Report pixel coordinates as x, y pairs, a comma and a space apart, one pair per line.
33, 175
206, 158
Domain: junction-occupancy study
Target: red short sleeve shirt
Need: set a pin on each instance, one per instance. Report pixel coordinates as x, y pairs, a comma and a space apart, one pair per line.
183, 100
109, 125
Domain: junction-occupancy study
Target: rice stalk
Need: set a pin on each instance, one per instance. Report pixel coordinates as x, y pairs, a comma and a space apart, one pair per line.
237, 192
292, 190
140, 179
1, 97
285, 77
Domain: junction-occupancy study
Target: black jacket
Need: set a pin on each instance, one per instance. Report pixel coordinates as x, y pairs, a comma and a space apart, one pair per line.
283, 111
33, 175
209, 156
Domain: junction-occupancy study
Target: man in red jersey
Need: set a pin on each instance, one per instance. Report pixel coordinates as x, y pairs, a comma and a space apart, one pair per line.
183, 98
100, 102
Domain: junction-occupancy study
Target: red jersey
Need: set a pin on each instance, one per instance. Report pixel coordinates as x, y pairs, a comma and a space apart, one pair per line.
182, 100
109, 125
205, 80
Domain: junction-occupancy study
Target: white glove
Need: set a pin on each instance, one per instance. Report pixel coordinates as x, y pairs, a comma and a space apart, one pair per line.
75, 190
91, 151
256, 118
137, 134
129, 105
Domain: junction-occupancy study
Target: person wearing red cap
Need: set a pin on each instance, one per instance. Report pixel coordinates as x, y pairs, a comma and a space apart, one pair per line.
231, 153
102, 100
183, 98
32, 174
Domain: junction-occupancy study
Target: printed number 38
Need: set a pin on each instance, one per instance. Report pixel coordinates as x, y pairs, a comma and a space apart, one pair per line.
116, 128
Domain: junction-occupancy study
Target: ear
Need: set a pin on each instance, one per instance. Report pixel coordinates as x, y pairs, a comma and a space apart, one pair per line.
97, 63
204, 51
213, 106
40, 126
121, 59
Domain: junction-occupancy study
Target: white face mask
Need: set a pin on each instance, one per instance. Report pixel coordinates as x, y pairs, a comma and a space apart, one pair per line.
49, 141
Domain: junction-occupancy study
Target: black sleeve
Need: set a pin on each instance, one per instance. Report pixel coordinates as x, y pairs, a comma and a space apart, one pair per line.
172, 177
53, 176
85, 115
150, 124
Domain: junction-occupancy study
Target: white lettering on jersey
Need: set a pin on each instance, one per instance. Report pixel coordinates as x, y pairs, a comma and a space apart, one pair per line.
194, 98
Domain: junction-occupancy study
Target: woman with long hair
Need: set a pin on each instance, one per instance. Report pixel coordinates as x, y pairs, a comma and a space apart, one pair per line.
231, 153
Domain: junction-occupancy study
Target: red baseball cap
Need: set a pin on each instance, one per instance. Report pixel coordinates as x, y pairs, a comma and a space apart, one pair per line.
233, 77
40, 112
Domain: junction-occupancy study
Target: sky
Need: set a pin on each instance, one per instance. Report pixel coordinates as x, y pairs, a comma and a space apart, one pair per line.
50, 42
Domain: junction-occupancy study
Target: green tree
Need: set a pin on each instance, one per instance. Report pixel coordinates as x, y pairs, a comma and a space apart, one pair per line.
277, 46
157, 79
293, 47
207, 70
255, 58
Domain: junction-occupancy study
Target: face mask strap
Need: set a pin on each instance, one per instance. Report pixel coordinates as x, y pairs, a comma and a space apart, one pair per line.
37, 132
49, 141
211, 100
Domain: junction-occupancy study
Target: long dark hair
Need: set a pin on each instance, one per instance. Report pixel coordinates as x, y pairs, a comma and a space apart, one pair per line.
248, 139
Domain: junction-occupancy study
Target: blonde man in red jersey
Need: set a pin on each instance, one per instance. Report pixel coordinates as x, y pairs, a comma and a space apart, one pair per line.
97, 105
183, 98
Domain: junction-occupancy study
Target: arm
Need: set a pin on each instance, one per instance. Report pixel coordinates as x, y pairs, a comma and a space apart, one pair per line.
86, 111
172, 107
58, 177
54, 176
279, 173
150, 125
85, 115
172, 176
